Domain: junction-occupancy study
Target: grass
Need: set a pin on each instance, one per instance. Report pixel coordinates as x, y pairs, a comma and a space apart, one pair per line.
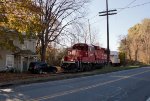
49, 77
100, 71
113, 69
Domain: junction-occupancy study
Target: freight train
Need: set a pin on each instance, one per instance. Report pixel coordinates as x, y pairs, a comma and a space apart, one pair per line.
84, 57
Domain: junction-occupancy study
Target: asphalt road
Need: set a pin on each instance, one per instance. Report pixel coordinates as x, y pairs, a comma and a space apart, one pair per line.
127, 85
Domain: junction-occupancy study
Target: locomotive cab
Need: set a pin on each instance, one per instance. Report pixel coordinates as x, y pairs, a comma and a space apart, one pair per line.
77, 52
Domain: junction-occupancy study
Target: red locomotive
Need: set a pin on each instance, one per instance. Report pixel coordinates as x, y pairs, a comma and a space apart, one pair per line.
84, 57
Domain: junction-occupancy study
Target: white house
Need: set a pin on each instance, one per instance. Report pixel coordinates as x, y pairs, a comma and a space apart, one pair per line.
21, 58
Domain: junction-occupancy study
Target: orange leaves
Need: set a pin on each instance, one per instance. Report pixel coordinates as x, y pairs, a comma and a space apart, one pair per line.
20, 14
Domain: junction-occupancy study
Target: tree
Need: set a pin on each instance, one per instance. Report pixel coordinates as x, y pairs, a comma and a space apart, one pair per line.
54, 56
145, 39
80, 33
133, 35
57, 16
137, 42
125, 44
17, 16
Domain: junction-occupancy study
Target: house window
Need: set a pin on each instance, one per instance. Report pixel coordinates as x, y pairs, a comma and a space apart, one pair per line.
10, 60
34, 45
11, 42
25, 45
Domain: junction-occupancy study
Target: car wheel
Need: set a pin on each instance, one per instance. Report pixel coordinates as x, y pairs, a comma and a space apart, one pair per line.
40, 71
55, 70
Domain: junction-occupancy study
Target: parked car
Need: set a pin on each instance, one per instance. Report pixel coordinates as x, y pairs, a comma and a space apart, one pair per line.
41, 67
7, 69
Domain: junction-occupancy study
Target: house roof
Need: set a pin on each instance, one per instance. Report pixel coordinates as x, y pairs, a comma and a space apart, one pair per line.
14, 33
25, 52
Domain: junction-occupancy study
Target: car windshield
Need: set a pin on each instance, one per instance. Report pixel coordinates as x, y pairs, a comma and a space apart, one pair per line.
32, 64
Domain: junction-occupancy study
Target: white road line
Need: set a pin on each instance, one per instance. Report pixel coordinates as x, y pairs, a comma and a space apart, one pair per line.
120, 76
148, 99
84, 88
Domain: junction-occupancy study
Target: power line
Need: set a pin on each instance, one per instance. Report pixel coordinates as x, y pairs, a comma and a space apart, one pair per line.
121, 9
131, 3
127, 5
135, 5
117, 8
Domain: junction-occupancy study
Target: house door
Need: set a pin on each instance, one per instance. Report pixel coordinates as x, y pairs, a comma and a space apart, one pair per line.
25, 64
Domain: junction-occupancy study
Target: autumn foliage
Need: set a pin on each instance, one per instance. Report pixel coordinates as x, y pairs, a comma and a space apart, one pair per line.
136, 45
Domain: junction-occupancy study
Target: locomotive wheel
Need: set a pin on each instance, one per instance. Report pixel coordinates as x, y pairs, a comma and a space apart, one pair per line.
90, 67
85, 67
81, 67
73, 68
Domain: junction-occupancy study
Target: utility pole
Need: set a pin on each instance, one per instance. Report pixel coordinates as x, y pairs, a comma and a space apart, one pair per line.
89, 30
107, 13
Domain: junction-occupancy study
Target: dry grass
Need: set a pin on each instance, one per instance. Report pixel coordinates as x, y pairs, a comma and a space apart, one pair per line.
8, 77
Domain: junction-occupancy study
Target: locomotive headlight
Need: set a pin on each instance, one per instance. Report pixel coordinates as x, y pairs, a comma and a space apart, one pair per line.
72, 60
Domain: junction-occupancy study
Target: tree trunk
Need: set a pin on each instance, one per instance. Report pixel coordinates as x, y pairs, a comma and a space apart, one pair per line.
43, 53
129, 54
43, 49
136, 53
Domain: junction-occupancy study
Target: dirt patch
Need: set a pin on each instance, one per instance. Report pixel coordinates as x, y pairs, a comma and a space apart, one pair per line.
28, 77
7, 77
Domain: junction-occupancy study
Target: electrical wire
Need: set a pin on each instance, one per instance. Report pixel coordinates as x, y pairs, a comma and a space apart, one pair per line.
127, 5
121, 9
135, 5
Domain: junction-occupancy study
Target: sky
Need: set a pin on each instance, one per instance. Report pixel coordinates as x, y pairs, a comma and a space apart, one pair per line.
119, 23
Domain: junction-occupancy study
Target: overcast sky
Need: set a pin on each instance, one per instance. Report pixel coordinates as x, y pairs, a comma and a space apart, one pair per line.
120, 23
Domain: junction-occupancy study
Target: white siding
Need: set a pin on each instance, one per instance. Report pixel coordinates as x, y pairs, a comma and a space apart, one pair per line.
17, 43
3, 54
29, 44
10, 60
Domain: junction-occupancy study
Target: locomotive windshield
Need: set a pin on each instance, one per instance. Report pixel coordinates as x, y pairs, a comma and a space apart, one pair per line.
80, 47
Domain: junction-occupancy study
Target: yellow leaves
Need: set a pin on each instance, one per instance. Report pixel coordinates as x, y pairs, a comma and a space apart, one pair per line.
21, 15
137, 42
